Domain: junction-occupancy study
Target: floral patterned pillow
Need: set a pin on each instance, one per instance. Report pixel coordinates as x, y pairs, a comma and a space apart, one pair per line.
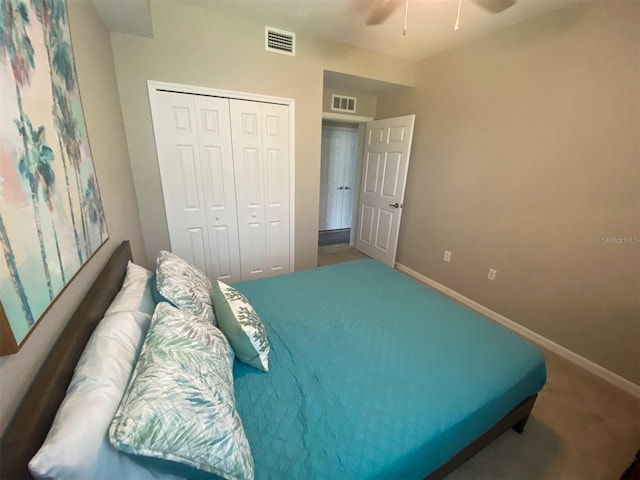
240, 323
178, 411
184, 286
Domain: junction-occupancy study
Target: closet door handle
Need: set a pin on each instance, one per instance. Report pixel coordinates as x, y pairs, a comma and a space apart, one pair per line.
340, 188
347, 188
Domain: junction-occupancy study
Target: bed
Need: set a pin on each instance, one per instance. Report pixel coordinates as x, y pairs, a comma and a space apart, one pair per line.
372, 375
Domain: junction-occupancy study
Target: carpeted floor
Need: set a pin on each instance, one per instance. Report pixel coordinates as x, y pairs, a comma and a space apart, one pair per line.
581, 427
330, 254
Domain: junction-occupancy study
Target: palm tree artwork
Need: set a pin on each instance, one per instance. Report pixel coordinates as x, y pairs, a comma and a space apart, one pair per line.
34, 166
52, 16
13, 269
93, 205
51, 214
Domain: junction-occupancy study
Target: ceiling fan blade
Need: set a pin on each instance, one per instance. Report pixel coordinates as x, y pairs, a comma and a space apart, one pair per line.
495, 6
380, 10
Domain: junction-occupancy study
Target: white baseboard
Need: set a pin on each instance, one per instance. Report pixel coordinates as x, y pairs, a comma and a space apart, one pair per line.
534, 337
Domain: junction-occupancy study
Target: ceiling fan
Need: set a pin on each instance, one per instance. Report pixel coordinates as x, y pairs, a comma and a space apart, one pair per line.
494, 6
378, 11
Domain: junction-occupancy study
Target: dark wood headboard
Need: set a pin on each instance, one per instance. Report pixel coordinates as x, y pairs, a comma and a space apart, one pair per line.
30, 426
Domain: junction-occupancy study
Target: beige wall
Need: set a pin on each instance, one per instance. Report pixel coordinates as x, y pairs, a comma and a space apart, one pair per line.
526, 155
201, 47
99, 93
365, 104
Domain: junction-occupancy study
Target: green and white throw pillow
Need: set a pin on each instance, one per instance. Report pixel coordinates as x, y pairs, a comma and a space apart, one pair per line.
240, 323
184, 285
178, 412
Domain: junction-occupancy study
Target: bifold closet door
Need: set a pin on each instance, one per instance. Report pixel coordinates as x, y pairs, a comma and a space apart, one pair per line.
196, 169
260, 134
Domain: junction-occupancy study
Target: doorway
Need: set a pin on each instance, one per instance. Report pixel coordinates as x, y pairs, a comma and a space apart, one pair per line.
378, 187
376, 191
339, 154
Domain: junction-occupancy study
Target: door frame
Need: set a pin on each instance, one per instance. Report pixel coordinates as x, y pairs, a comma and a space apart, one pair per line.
155, 86
361, 124
362, 130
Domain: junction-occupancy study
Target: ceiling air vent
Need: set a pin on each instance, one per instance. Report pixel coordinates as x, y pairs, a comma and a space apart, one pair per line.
279, 41
341, 103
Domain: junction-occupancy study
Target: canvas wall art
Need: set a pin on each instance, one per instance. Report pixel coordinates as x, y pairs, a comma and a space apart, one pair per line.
51, 216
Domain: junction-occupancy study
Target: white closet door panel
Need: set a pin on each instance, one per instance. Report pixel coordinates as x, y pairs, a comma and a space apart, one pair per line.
246, 127
251, 212
180, 173
214, 134
277, 235
275, 144
334, 210
335, 185
253, 258
196, 251
225, 256
253, 179
347, 209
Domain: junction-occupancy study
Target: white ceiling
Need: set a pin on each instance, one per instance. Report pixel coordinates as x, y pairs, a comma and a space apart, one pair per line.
430, 22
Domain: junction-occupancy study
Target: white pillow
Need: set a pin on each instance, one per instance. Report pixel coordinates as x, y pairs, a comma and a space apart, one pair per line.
135, 294
77, 446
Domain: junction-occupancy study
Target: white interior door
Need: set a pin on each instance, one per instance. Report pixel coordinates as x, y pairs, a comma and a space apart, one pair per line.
261, 162
194, 144
384, 175
338, 163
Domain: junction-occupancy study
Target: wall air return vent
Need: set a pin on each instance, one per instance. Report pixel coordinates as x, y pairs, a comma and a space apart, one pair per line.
279, 41
341, 103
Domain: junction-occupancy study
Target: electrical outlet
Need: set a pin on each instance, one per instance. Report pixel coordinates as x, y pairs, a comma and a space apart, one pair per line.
447, 256
492, 274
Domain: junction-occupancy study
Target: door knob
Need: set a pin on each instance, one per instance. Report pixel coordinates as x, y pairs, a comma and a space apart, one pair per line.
394, 205
254, 215
347, 188
340, 188
217, 217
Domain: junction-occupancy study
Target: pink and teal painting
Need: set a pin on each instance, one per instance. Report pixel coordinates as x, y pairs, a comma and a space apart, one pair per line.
51, 215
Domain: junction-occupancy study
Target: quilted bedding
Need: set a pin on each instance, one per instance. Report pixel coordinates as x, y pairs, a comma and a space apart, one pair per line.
373, 375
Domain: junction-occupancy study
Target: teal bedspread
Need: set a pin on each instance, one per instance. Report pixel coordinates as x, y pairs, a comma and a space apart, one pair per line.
373, 375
